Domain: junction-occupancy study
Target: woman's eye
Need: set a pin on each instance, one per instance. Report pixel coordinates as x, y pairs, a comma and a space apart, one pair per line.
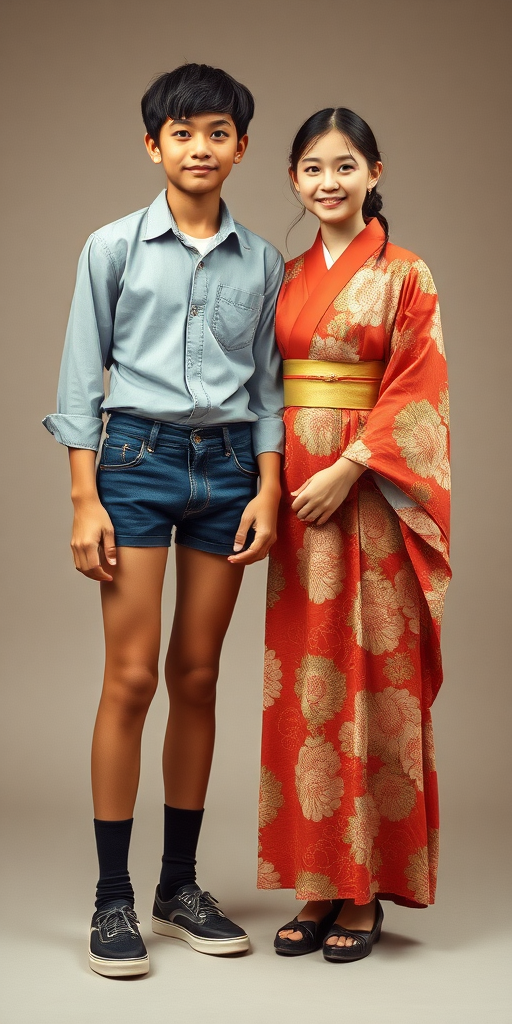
347, 167
313, 169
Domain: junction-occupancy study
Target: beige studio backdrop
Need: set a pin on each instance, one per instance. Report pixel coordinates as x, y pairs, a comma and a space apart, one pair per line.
430, 78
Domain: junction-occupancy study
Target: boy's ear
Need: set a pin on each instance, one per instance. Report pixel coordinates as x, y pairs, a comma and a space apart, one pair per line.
241, 148
152, 149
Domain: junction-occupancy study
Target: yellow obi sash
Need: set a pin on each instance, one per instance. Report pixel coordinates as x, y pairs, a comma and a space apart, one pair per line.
318, 383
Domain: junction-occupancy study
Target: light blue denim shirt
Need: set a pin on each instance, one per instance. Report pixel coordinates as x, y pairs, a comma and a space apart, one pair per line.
188, 339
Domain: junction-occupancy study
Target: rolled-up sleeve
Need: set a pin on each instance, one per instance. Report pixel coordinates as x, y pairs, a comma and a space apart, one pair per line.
265, 387
77, 422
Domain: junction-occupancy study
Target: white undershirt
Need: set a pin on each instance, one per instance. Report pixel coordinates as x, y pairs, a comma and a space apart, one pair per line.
329, 262
201, 244
392, 493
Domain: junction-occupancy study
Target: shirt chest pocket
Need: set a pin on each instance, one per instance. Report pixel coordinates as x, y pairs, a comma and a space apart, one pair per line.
235, 317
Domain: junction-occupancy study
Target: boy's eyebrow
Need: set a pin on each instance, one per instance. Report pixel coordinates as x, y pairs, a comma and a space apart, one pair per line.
188, 120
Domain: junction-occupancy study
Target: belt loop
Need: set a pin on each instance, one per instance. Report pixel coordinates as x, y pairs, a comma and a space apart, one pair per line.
227, 442
155, 429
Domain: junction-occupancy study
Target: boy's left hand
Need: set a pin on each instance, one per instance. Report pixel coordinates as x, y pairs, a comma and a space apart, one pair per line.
261, 514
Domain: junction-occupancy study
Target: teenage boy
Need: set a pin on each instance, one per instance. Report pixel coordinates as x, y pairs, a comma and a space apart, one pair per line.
177, 301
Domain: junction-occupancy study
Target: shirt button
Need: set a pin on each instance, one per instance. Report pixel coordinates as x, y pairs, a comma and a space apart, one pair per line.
194, 310
200, 265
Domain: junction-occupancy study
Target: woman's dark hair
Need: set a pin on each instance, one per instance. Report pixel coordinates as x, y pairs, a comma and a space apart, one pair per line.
359, 133
195, 89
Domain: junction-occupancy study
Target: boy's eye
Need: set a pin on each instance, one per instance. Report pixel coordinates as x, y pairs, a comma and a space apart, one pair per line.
219, 134
182, 133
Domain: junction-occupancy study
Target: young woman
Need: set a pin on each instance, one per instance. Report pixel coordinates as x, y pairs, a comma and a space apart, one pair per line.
360, 569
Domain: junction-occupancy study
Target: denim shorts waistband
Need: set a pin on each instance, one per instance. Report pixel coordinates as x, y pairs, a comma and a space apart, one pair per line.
145, 429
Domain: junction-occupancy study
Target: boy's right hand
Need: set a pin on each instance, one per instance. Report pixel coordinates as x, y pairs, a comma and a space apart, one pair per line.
93, 534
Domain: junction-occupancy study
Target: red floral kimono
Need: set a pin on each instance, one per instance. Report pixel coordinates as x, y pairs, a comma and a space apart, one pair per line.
352, 664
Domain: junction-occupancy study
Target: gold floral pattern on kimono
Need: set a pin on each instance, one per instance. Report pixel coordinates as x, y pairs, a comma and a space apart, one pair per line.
394, 796
320, 562
319, 785
422, 438
314, 427
380, 533
362, 828
271, 797
320, 688
375, 617
314, 886
271, 678
275, 582
268, 877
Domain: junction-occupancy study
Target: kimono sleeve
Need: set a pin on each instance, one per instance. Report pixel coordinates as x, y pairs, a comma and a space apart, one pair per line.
77, 422
406, 435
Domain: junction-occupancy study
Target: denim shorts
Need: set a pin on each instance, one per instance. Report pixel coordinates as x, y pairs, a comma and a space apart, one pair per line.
153, 476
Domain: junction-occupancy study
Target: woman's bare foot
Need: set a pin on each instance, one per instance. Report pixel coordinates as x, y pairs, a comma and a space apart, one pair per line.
356, 918
315, 910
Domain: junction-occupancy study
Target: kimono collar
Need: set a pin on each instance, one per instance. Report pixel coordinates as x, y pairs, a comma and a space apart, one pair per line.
324, 285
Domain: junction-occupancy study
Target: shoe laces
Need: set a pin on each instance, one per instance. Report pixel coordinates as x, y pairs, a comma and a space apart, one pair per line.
117, 921
202, 904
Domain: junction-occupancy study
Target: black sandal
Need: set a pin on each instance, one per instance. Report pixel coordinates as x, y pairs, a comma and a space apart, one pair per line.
313, 933
363, 941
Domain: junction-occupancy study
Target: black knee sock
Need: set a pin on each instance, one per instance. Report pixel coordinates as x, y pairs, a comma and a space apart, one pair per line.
112, 842
181, 834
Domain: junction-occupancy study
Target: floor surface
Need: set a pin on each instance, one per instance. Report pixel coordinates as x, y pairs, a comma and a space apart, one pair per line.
445, 964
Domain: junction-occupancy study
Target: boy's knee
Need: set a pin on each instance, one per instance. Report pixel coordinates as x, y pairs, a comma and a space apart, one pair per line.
134, 687
195, 686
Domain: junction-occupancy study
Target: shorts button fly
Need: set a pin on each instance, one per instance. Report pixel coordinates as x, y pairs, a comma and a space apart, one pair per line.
197, 438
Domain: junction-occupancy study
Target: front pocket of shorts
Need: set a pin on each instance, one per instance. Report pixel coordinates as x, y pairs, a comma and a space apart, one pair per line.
245, 462
116, 456
235, 317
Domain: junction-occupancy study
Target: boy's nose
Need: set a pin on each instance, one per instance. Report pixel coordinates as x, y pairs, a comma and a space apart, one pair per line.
201, 149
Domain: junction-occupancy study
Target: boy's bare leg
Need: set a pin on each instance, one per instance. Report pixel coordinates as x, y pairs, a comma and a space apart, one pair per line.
207, 589
131, 615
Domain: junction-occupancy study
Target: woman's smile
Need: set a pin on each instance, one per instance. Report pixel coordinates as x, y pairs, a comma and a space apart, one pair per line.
331, 201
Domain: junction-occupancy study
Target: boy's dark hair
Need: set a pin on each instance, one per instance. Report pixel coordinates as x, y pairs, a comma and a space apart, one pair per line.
195, 89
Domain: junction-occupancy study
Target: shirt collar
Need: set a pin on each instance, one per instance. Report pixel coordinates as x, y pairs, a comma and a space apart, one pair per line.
159, 220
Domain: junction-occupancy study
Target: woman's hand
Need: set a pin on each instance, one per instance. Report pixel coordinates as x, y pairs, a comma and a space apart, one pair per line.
320, 496
92, 533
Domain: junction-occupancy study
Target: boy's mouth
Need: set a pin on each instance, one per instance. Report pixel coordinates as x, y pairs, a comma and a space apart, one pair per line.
201, 168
